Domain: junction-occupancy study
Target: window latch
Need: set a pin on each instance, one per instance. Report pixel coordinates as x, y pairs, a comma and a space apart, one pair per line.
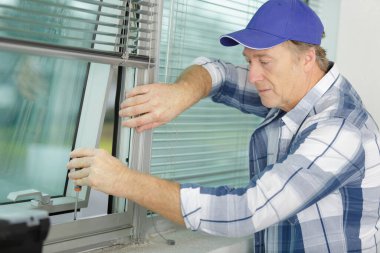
39, 198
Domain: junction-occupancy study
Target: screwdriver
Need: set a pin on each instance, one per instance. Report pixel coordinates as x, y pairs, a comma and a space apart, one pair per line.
77, 189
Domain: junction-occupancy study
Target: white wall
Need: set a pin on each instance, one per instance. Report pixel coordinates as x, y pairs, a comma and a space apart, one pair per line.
358, 49
328, 12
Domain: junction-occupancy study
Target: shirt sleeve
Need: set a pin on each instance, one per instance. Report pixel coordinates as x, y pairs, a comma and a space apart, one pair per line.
231, 87
324, 157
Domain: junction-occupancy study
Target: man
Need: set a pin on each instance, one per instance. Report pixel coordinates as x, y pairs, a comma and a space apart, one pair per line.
314, 160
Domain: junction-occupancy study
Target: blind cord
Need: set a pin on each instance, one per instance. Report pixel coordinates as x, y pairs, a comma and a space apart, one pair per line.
168, 241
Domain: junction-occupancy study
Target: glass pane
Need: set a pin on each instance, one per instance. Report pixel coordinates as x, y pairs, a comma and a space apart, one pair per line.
106, 137
39, 108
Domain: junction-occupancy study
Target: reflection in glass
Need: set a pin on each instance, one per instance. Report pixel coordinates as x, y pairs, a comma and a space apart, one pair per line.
39, 107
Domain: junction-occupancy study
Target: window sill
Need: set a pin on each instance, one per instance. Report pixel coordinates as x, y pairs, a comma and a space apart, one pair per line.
185, 242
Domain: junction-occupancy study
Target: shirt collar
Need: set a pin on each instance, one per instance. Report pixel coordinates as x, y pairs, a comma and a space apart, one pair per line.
294, 118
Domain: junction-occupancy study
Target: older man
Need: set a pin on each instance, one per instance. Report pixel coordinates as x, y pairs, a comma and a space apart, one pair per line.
314, 160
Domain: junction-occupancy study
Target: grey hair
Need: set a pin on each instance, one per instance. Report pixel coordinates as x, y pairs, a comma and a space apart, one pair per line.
320, 52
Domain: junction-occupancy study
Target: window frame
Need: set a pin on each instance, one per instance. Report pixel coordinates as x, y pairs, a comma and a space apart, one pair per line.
124, 226
88, 134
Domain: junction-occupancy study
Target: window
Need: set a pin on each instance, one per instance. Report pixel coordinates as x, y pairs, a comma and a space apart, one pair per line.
58, 62
208, 144
41, 104
46, 92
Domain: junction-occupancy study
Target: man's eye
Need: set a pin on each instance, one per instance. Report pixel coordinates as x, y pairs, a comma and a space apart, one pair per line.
264, 62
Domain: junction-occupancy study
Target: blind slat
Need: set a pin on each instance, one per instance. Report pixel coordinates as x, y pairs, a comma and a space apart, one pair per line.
181, 139
57, 26
61, 17
192, 161
42, 35
103, 4
77, 9
200, 170
206, 130
194, 153
179, 146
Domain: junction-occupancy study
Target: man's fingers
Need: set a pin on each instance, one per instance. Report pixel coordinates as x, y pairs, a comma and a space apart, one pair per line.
139, 90
132, 101
144, 127
139, 121
79, 163
82, 182
134, 110
148, 127
78, 174
82, 152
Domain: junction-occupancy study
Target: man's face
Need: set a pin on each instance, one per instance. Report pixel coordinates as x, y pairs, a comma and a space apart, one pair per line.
278, 75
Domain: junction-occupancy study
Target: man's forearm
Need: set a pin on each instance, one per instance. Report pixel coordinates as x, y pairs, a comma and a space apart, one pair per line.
195, 80
156, 194
159, 195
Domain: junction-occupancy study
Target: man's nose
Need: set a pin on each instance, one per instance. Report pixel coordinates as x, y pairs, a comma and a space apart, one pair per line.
255, 73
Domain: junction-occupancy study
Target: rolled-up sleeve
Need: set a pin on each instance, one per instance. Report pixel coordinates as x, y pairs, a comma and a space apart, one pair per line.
231, 87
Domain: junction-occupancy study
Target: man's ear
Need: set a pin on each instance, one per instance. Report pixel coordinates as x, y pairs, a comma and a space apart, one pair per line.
309, 59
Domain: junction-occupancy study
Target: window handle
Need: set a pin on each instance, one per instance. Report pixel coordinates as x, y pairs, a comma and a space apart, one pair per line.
39, 198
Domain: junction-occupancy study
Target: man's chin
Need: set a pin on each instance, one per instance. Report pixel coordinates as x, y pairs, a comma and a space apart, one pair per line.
267, 104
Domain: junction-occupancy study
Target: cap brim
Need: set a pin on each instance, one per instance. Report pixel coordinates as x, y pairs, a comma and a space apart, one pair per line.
250, 38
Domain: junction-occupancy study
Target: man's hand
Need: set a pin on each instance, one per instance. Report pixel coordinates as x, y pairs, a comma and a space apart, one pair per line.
98, 169
153, 105
105, 173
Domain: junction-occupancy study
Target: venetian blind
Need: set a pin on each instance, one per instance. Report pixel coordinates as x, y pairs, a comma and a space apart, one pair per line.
102, 25
208, 144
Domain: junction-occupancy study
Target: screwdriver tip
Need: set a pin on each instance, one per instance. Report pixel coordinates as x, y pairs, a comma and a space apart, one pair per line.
76, 204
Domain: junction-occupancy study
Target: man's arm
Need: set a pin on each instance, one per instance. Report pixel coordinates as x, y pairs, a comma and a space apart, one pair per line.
152, 105
101, 171
231, 86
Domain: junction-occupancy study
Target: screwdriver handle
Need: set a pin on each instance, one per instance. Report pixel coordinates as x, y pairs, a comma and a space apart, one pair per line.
77, 188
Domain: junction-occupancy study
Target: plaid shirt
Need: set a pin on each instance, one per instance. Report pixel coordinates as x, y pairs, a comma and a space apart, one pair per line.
315, 171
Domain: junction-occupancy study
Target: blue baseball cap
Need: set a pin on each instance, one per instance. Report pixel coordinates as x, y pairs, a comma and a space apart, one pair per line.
277, 21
